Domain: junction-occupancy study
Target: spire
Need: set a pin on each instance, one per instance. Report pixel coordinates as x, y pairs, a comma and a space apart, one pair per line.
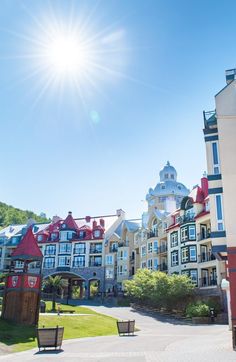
27, 248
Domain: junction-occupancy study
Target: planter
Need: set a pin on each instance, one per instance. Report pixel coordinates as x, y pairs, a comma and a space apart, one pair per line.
201, 320
126, 327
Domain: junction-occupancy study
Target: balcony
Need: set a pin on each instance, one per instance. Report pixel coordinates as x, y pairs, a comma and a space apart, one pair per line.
95, 263
163, 249
113, 249
79, 251
95, 251
210, 120
78, 264
204, 257
49, 252
205, 236
48, 266
163, 267
207, 282
152, 234
185, 219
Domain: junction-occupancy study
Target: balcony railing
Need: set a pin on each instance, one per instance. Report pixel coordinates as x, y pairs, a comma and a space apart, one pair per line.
186, 218
208, 282
163, 249
163, 267
78, 264
95, 263
203, 236
209, 119
206, 257
49, 252
95, 251
152, 234
113, 249
48, 266
79, 251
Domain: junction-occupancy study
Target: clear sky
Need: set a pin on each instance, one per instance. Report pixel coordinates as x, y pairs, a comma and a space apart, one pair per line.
92, 140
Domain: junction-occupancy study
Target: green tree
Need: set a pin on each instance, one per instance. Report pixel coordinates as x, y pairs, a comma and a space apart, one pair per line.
159, 289
54, 283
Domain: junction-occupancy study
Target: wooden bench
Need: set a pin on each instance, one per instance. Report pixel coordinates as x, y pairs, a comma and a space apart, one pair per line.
50, 337
67, 311
126, 327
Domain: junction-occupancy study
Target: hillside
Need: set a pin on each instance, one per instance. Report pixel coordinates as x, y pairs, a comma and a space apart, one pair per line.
11, 215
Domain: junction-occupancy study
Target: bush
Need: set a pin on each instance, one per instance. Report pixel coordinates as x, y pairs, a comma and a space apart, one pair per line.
159, 289
197, 310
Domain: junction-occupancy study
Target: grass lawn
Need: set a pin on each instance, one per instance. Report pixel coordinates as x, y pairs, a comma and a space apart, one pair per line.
76, 308
20, 338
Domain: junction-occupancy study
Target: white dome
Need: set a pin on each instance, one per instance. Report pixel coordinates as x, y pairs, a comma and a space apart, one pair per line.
168, 173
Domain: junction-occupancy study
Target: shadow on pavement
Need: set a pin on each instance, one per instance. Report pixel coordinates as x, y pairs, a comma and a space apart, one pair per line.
49, 351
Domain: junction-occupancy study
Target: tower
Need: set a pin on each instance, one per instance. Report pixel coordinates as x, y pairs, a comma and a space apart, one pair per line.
23, 283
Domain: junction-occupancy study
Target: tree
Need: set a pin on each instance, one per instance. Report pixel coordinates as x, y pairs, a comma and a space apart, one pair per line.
54, 283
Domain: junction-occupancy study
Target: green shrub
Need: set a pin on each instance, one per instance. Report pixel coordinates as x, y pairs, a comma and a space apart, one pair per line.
197, 310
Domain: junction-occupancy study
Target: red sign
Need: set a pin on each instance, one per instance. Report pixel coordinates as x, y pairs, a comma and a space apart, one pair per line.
31, 281
13, 281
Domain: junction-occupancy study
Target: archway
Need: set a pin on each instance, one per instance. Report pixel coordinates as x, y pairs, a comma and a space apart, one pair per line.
94, 288
73, 288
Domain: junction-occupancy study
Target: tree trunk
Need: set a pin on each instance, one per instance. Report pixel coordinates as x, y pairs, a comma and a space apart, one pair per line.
54, 300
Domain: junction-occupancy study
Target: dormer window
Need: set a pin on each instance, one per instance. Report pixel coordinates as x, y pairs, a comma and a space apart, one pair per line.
40, 238
166, 176
172, 177
63, 226
53, 236
97, 233
82, 234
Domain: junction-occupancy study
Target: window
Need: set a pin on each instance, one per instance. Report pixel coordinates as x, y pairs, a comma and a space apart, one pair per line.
49, 263
82, 234
149, 248
64, 261
40, 238
143, 250
19, 264
63, 236
155, 246
172, 176
109, 259
125, 255
184, 233
193, 275
109, 274
207, 206
0, 252
219, 212
192, 253
79, 261
79, 248
143, 265
149, 263
155, 264
215, 156
65, 248
184, 255
192, 232
70, 235
54, 236
50, 250
174, 239
97, 233
166, 176
175, 258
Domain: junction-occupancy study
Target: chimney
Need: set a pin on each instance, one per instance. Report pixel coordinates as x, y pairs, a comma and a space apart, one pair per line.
102, 223
87, 218
94, 224
204, 184
230, 75
69, 213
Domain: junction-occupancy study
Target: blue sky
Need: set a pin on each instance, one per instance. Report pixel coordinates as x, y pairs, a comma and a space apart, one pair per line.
98, 145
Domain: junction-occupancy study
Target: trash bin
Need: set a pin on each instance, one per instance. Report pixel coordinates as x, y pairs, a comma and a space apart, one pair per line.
212, 315
42, 306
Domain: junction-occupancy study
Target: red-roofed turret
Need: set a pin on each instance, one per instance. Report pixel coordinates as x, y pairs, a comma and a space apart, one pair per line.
28, 248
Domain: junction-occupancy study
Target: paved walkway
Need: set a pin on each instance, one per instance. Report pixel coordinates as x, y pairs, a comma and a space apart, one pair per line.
159, 340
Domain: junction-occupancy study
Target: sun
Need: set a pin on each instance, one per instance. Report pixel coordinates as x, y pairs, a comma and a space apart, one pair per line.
66, 54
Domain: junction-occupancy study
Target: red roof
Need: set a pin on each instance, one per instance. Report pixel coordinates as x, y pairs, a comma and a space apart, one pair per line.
70, 222
197, 195
28, 247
